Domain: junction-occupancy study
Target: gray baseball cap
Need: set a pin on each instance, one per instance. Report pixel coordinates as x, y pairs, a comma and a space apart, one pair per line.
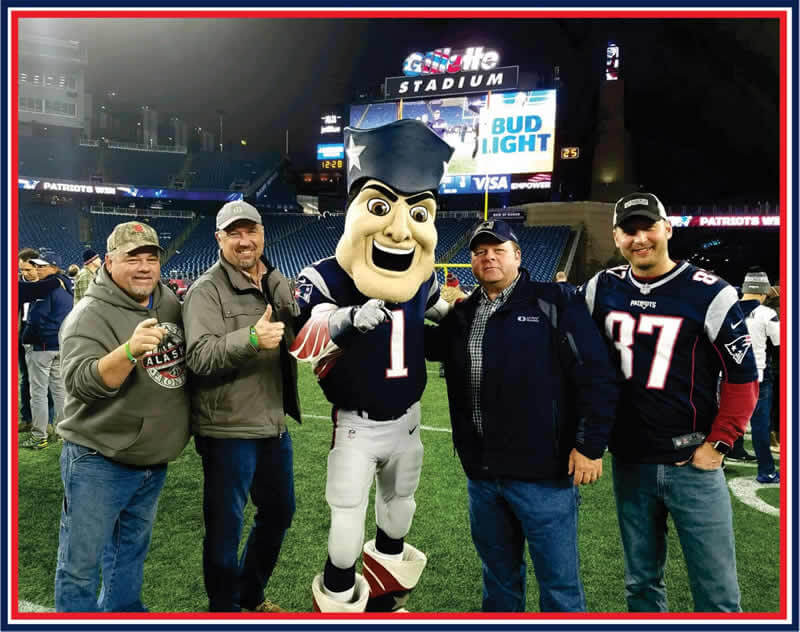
756, 283
236, 210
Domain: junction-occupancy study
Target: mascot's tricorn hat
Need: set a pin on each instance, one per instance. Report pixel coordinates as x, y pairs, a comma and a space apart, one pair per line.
407, 155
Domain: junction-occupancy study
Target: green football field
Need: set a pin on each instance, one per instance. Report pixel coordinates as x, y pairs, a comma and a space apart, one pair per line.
452, 579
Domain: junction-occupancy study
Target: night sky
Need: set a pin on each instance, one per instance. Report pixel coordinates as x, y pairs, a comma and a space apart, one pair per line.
701, 95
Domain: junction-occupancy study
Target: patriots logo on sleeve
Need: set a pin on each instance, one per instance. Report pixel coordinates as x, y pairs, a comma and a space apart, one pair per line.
738, 348
302, 293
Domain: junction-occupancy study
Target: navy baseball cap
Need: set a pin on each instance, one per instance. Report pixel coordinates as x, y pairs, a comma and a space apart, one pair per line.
496, 228
641, 204
406, 154
89, 255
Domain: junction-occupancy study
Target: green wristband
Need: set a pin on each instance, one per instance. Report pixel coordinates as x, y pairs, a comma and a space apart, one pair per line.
254, 339
129, 354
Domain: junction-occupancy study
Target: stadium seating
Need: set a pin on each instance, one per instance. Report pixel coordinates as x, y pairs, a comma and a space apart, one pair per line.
450, 232
315, 241
220, 170
51, 229
373, 115
200, 251
49, 158
141, 168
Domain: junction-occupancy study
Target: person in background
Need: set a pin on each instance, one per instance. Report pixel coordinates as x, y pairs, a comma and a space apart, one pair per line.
44, 357
29, 288
765, 330
27, 275
91, 264
773, 366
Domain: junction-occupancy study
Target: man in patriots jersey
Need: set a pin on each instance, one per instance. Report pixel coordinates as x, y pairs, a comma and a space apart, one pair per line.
362, 315
674, 328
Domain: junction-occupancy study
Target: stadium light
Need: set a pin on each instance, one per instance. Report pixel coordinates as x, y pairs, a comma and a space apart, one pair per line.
221, 114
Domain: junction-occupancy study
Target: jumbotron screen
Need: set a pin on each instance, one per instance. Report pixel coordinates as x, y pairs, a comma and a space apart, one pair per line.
497, 135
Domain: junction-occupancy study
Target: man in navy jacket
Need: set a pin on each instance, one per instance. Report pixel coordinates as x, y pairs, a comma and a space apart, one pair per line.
44, 359
532, 396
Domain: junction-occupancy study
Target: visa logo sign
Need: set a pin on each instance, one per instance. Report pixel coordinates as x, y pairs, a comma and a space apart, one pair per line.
465, 184
495, 183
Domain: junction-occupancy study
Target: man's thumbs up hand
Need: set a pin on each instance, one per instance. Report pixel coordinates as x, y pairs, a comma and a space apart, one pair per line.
269, 333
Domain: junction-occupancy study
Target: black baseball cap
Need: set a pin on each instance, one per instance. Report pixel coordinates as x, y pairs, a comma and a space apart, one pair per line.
496, 228
641, 204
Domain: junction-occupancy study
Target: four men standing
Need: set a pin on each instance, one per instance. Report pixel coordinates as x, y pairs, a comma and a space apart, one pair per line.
533, 398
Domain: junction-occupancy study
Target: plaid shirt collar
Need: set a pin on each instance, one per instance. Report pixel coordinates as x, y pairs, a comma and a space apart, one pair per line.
501, 298
486, 307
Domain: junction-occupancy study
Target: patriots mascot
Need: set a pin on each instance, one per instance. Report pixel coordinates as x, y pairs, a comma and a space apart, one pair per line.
361, 327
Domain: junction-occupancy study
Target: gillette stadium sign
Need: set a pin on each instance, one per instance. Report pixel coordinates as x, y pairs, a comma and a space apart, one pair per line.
444, 71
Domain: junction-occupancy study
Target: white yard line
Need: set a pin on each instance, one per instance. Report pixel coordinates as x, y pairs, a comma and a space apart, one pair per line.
744, 488
27, 606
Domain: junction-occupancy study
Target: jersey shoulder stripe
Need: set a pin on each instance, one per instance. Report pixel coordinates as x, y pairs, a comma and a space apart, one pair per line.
718, 310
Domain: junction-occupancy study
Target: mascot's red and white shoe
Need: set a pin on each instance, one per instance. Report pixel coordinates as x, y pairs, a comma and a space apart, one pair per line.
324, 603
390, 580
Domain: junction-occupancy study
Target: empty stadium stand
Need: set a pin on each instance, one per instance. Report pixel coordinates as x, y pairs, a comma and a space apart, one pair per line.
51, 229
542, 247
142, 168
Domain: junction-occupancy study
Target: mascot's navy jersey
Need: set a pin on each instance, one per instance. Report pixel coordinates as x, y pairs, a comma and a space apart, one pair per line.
672, 336
382, 372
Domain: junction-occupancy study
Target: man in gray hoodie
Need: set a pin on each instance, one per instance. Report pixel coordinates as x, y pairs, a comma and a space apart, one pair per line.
126, 415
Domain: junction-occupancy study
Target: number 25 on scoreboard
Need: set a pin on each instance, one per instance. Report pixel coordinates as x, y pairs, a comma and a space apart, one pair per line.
570, 153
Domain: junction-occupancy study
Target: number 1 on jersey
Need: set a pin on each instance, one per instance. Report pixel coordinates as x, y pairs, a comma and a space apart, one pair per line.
669, 327
397, 348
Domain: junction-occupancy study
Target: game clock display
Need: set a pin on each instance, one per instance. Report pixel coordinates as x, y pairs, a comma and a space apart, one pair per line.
331, 165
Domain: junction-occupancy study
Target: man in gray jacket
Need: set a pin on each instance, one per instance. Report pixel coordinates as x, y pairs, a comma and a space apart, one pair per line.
126, 415
239, 322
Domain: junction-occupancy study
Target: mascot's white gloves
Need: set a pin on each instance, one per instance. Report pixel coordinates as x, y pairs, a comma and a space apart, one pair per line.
370, 315
346, 323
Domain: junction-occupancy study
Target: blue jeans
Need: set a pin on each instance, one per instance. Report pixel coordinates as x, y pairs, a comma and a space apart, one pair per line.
234, 468
503, 514
760, 427
107, 519
700, 505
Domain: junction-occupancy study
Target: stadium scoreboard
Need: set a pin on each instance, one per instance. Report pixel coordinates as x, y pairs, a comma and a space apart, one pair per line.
330, 156
330, 147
